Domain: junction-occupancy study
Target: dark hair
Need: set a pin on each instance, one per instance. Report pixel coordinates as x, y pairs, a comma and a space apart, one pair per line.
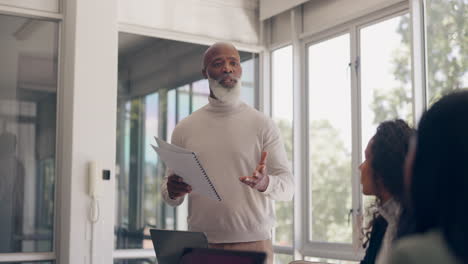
389, 148
439, 184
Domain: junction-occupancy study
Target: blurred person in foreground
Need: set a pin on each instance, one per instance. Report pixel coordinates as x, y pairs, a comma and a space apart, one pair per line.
436, 177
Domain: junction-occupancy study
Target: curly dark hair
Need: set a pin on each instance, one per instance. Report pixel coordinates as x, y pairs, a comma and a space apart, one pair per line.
389, 147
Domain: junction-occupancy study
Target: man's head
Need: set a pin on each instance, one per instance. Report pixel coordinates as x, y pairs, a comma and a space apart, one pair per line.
221, 66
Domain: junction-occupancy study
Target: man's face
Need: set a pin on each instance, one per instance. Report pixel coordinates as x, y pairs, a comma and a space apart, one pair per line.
222, 63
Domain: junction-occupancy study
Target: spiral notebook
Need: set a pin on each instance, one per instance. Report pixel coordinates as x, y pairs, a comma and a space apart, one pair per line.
186, 164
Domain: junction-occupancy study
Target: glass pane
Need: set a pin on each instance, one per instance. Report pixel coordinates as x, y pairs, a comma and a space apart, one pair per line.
28, 102
34, 262
283, 259
152, 99
282, 108
183, 102
330, 140
386, 91
447, 52
386, 83
249, 85
200, 94
136, 261
171, 113
139, 173
330, 261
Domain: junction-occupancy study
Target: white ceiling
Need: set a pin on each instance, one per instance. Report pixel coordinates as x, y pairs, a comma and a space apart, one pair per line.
130, 43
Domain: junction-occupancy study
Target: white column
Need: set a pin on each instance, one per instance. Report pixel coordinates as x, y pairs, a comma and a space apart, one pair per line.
300, 133
87, 128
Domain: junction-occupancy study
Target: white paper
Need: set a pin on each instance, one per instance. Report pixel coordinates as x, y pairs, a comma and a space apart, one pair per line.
184, 164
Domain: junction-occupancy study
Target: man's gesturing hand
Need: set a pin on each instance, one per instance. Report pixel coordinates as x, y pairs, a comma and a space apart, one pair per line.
259, 179
176, 187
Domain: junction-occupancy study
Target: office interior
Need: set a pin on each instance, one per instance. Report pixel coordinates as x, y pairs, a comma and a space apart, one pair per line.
92, 82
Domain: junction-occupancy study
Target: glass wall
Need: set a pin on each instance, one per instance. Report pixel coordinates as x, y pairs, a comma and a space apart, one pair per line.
155, 93
282, 114
329, 101
28, 102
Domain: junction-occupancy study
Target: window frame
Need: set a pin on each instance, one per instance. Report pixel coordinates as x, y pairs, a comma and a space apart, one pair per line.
352, 251
286, 250
57, 18
315, 248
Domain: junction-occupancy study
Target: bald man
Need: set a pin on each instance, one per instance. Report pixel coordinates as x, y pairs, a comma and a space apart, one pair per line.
242, 153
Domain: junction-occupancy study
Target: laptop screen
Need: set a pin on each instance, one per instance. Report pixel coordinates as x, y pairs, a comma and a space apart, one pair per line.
216, 256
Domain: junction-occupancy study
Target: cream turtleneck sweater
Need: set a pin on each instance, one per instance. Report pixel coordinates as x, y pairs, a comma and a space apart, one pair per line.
229, 139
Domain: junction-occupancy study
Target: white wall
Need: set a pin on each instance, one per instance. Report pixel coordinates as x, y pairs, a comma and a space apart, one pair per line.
87, 128
231, 20
38, 5
281, 28
270, 8
320, 15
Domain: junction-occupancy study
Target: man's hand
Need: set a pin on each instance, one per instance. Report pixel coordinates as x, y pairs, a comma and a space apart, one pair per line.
259, 179
176, 187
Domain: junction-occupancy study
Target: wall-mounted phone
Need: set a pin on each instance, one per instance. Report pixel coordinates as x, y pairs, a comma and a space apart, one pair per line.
94, 180
94, 190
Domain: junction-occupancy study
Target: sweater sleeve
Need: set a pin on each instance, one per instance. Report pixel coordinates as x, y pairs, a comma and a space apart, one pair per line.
175, 139
281, 185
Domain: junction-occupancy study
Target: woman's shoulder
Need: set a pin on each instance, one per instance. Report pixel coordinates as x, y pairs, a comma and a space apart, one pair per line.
428, 248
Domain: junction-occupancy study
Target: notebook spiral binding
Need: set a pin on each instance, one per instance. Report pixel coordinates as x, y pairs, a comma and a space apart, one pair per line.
206, 177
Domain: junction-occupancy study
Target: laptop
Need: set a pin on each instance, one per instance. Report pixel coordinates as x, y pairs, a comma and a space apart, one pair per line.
220, 256
169, 245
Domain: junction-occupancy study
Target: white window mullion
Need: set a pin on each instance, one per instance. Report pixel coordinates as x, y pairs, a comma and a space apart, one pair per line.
300, 129
283, 250
331, 251
26, 257
133, 254
418, 57
264, 93
357, 210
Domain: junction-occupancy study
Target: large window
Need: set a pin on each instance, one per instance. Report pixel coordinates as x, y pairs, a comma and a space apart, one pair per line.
447, 52
28, 102
355, 81
282, 114
329, 88
386, 91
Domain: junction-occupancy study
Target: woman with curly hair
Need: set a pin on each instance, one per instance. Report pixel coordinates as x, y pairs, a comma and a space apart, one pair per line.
382, 177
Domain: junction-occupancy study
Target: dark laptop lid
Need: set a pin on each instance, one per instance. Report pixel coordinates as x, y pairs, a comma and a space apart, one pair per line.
169, 244
217, 256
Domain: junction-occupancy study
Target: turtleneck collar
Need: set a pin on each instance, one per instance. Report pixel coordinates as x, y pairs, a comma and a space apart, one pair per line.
216, 105
390, 210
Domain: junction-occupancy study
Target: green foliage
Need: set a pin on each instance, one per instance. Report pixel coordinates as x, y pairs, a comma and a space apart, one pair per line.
447, 59
397, 102
284, 210
447, 47
330, 174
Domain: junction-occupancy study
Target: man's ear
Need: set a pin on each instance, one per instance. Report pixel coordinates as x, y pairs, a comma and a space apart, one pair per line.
204, 73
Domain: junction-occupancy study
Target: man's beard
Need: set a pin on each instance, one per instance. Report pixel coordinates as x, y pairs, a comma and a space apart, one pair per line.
225, 94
